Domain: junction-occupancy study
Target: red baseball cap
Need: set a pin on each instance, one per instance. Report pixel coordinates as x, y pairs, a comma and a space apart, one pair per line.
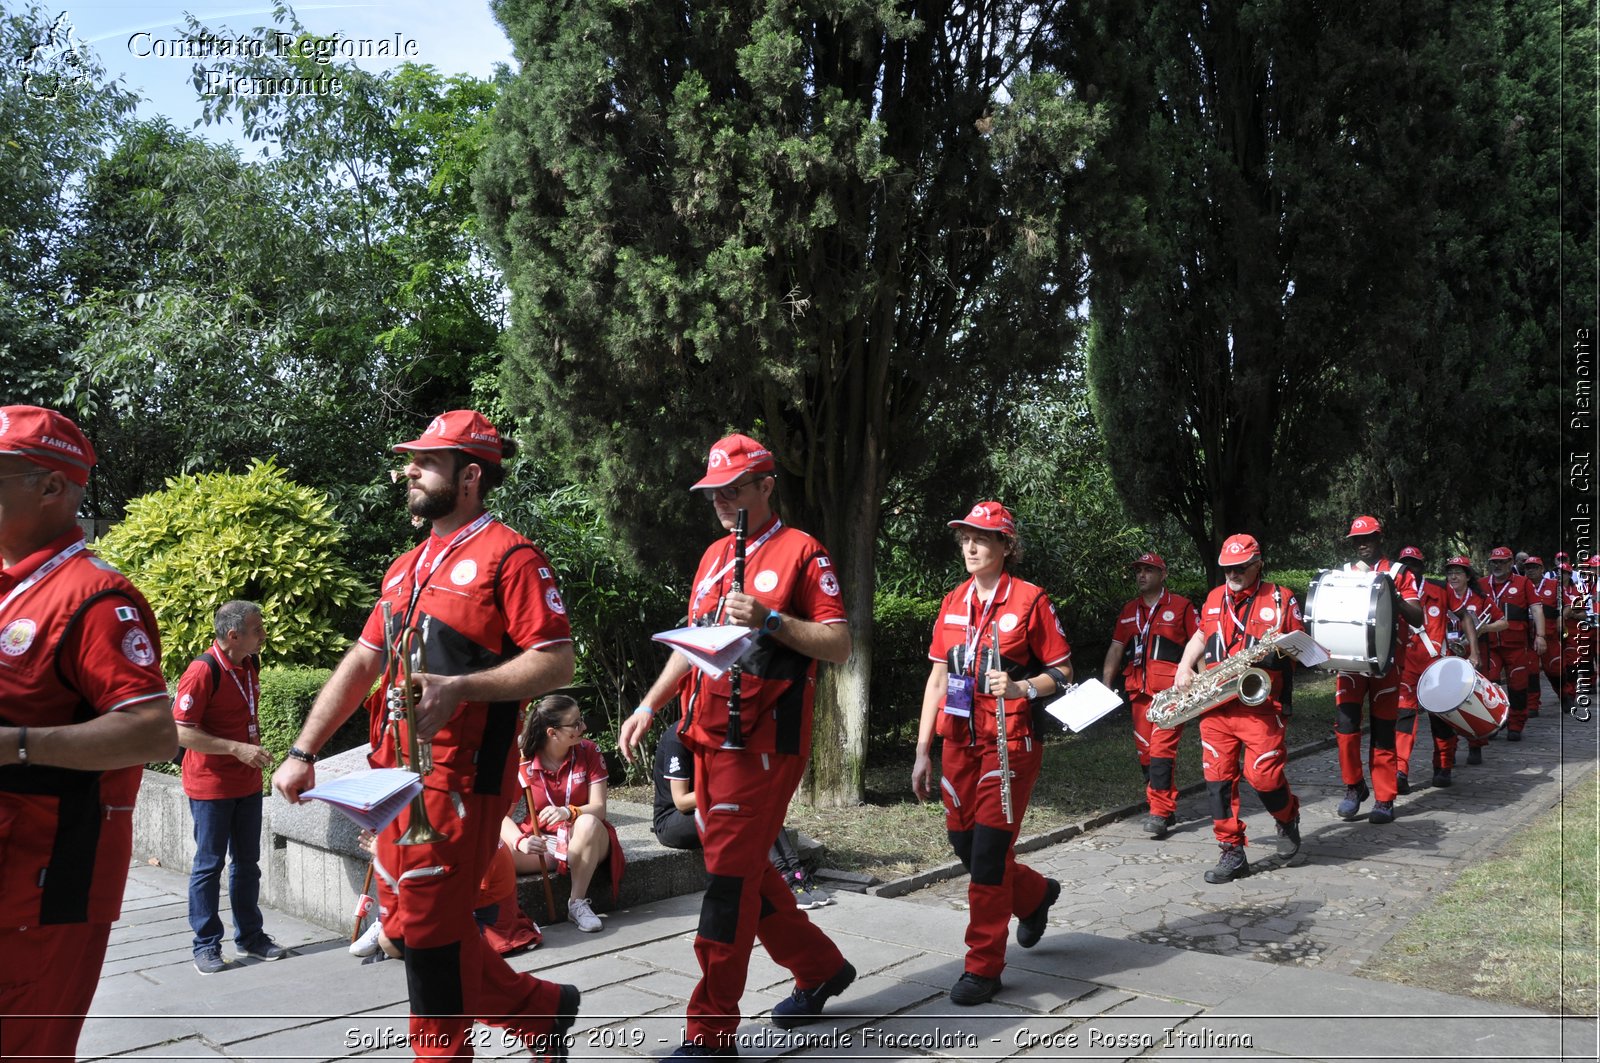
1500, 553
1238, 550
988, 516
1561, 555
48, 439
1533, 559
1364, 526
1151, 559
465, 430
1411, 553
1460, 561
731, 458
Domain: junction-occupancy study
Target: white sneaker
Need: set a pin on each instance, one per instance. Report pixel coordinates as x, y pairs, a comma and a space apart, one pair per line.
367, 943
582, 915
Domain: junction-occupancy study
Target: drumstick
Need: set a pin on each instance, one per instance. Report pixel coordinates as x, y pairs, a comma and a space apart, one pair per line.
361, 909
544, 872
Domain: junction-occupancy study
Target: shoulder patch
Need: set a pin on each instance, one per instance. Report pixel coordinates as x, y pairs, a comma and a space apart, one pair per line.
137, 647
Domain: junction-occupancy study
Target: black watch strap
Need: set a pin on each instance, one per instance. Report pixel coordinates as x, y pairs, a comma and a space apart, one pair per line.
301, 755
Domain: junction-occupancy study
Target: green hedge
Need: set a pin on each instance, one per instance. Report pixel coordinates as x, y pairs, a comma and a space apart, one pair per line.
903, 626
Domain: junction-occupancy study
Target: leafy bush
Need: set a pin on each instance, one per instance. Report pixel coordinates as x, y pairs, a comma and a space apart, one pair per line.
903, 627
213, 537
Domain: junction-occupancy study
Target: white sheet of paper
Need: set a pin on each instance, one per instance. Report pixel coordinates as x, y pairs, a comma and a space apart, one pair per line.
1083, 704
710, 649
1307, 650
370, 798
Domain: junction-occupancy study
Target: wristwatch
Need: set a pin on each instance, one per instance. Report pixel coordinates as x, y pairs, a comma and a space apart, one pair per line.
1032, 690
773, 621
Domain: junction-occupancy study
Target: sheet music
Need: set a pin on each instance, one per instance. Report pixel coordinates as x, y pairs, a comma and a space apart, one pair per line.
711, 649
370, 798
1307, 650
1083, 704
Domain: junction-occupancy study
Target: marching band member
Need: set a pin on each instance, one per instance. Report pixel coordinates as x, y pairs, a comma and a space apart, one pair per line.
972, 680
495, 634
1547, 597
743, 788
1512, 660
1424, 645
1146, 646
1382, 692
1235, 617
1471, 617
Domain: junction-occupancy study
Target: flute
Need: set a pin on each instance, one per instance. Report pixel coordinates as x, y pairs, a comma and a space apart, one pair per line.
1001, 748
735, 739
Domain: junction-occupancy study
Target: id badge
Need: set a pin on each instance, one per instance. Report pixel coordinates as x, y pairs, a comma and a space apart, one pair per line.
558, 847
958, 695
1136, 655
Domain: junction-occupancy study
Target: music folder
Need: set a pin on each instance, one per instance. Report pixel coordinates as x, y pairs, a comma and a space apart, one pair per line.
711, 649
1083, 704
372, 799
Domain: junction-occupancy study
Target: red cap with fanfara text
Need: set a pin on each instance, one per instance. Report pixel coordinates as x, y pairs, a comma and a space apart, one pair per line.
1364, 526
731, 458
1411, 553
48, 439
465, 430
1151, 559
988, 516
1239, 550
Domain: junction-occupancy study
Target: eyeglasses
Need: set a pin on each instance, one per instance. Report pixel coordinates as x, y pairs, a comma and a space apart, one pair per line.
19, 475
1238, 570
729, 492
579, 724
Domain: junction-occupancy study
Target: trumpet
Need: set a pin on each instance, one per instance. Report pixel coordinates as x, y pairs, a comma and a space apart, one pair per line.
415, 753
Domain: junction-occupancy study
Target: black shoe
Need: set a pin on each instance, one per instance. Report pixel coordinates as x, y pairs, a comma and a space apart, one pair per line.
1513, 736
1475, 755
973, 989
1350, 807
554, 1044
1030, 928
1402, 784
263, 948
1157, 826
1382, 812
1289, 838
209, 961
805, 1005
1441, 778
1232, 865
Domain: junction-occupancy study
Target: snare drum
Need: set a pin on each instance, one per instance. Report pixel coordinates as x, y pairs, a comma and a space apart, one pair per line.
1351, 615
1450, 689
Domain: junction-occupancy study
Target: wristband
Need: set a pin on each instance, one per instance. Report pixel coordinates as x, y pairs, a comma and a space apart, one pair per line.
645, 709
22, 745
301, 755
573, 812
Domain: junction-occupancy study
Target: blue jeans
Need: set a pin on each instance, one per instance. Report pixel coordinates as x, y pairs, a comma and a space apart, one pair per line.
221, 825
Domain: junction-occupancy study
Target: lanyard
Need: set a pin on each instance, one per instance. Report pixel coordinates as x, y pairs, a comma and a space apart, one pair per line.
549, 799
44, 570
418, 580
1227, 601
705, 585
975, 634
1143, 629
250, 692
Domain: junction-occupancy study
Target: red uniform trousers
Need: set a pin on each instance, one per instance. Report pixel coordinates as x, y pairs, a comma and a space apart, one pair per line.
1383, 694
453, 975
1227, 733
998, 887
41, 1016
1512, 664
740, 801
1549, 664
1158, 752
1405, 727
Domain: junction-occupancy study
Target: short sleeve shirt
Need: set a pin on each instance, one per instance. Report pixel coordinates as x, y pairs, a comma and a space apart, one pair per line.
223, 708
569, 783
1153, 638
1232, 624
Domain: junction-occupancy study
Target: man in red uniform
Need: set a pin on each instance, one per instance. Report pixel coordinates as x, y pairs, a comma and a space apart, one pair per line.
791, 598
83, 707
1512, 660
218, 698
1382, 691
1235, 617
1146, 646
1547, 599
1424, 645
484, 604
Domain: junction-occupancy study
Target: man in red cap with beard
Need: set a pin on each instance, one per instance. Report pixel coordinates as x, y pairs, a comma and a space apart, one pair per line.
1146, 646
483, 603
83, 707
742, 789
1235, 617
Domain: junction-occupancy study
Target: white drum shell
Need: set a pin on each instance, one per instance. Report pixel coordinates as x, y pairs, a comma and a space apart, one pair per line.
1452, 690
1351, 615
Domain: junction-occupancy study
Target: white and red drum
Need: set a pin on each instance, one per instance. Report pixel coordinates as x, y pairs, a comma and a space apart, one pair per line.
1351, 615
1452, 690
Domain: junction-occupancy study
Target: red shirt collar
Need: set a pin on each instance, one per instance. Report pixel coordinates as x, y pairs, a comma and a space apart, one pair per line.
25, 568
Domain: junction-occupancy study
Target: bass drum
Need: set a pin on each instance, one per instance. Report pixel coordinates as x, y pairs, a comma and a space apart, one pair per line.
1351, 615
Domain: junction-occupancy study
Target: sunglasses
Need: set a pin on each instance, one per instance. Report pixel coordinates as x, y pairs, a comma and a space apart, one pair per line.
729, 492
1238, 570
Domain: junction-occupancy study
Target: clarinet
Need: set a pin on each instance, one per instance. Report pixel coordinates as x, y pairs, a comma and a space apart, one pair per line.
1000, 732
735, 739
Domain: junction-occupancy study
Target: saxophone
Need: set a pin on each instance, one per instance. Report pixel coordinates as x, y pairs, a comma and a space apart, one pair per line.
1237, 677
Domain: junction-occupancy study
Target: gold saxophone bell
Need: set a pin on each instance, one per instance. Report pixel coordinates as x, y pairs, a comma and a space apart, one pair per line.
409, 656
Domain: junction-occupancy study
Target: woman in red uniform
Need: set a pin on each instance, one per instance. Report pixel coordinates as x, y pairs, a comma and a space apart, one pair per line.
969, 681
1470, 614
564, 776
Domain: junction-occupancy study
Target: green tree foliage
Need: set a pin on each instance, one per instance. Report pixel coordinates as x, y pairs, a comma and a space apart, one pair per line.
842, 225
213, 537
1283, 223
56, 106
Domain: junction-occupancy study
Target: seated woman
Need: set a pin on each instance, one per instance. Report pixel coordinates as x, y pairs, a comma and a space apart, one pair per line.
563, 777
